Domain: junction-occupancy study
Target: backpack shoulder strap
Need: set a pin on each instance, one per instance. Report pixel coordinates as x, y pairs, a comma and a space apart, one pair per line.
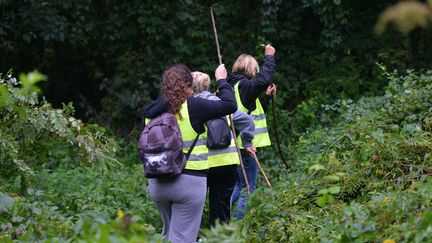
192, 147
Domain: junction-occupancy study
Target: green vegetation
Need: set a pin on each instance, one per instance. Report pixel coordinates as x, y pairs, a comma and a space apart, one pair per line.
107, 57
365, 178
31, 129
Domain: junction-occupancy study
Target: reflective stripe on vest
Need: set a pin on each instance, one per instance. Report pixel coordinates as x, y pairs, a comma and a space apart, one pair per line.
225, 156
222, 157
198, 158
261, 136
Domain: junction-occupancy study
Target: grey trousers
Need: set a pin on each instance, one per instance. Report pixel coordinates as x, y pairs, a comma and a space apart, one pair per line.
180, 202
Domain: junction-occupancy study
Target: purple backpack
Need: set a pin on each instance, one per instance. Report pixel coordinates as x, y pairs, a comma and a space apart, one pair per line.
160, 147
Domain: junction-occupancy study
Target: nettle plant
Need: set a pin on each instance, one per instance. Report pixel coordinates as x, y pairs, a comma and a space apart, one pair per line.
33, 134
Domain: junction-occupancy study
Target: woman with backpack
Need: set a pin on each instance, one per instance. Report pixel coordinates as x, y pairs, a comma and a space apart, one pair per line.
249, 83
223, 156
180, 199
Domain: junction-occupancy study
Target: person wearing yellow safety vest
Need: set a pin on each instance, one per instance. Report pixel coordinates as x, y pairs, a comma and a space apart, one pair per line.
249, 83
223, 162
180, 199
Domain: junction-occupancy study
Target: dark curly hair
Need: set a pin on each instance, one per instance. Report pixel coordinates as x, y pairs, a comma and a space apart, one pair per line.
176, 86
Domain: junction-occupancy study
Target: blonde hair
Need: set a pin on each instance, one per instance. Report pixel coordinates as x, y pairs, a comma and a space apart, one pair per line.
201, 82
246, 64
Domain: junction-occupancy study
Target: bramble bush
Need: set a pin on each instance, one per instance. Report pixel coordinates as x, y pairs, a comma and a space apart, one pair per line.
82, 204
35, 135
62, 179
364, 178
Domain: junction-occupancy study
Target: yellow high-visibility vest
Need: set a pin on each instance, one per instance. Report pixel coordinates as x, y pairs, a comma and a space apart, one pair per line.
198, 159
261, 138
225, 156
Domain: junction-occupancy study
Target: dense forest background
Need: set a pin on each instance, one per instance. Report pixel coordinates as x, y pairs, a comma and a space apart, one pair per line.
107, 56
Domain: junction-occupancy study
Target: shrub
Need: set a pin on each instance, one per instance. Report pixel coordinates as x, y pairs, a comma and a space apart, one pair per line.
82, 204
377, 148
33, 134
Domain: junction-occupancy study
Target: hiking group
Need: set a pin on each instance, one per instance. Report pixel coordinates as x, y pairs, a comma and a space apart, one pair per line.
187, 146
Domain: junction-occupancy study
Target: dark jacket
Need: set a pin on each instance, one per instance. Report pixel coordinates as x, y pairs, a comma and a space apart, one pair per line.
251, 89
243, 123
200, 110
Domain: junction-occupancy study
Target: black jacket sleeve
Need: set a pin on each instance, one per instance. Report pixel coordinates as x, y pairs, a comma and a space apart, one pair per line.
265, 101
251, 89
201, 110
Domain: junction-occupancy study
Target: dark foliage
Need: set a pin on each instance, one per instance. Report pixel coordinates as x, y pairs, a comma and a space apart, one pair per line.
107, 56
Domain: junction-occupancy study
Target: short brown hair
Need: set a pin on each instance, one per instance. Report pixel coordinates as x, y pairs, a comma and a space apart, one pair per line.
201, 82
246, 64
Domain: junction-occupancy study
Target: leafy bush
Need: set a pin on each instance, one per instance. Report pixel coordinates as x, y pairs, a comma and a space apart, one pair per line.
379, 148
80, 203
402, 216
222, 234
121, 48
33, 134
364, 178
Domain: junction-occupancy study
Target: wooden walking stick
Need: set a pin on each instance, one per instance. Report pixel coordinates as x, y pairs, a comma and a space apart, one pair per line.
276, 133
230, 116
216, 36
239, 155
262, 171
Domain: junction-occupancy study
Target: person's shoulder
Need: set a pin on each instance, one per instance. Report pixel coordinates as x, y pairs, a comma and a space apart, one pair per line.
206, 95
235, 78
194, 101
155, 108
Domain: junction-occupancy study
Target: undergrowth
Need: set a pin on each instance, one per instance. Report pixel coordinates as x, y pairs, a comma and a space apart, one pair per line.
364, 178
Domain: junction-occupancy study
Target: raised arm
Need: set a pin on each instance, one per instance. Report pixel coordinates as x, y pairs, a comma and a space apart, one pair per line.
262, 80
252, 89
202, 110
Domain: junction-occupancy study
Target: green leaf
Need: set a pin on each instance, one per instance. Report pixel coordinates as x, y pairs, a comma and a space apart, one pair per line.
316, 167
334, 189
323, 191
332, 178
378, 135
412, 127
321, 201
4, 95
5, 202
36, 210
29, 82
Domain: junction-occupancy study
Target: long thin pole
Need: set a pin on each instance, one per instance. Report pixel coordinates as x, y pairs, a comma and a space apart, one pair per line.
216, 36
230, 116
262, 171
239, 155
276, 133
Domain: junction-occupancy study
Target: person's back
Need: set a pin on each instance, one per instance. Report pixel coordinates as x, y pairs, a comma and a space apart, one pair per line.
223, 162
249, 83
180, 200
252, 80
